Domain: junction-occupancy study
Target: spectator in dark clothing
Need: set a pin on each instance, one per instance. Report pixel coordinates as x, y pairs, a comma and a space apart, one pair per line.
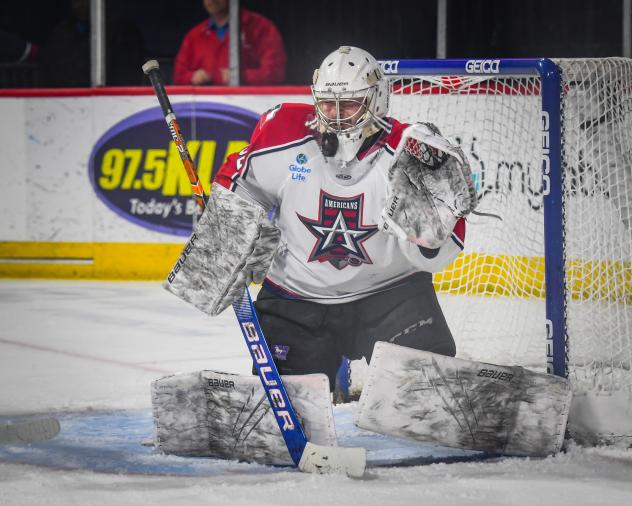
203, 55
66, 55
15, 49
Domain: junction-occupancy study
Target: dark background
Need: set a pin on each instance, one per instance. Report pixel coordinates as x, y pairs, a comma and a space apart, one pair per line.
386, 28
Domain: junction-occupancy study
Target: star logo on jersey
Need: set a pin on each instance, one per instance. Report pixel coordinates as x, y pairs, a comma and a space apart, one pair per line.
339, 231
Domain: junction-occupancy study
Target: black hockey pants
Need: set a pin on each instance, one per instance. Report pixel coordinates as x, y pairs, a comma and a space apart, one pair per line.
307, 337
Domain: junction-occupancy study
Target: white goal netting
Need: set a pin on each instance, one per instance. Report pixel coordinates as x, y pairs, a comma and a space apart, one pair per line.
493, 294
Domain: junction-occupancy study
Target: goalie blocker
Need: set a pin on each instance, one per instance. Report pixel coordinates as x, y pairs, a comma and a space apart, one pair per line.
462, 404
232, 246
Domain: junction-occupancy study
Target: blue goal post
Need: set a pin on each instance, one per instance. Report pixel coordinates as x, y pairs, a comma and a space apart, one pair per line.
551, 136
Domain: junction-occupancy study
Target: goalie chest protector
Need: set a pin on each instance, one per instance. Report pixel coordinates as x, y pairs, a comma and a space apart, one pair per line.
328, 214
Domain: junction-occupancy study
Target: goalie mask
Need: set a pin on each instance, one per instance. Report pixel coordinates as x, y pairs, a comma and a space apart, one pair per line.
351, 99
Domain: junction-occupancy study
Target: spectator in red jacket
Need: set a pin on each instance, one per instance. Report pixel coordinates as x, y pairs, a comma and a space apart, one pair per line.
203, 55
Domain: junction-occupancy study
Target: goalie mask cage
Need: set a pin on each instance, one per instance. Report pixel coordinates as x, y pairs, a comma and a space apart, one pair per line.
546, 272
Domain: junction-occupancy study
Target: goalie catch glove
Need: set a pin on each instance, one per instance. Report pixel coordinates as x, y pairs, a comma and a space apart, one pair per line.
430, 188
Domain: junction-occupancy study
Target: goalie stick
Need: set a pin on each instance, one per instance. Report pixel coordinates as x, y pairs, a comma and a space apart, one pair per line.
307, 456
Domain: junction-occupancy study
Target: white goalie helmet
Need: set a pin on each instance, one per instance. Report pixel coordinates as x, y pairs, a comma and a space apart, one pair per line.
351, 98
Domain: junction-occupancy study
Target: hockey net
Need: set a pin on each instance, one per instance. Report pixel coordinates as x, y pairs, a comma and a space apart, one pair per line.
493, 295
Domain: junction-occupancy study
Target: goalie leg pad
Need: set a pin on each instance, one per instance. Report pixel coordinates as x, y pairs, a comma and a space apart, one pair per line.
228, 416
473, 405
232, 245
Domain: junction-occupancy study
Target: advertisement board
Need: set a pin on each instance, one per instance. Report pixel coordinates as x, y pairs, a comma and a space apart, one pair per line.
94, 186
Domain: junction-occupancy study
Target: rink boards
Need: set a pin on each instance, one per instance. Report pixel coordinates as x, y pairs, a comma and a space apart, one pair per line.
93, 189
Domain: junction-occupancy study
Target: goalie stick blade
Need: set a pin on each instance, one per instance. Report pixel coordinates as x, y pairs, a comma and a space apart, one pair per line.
333, 459
32, 431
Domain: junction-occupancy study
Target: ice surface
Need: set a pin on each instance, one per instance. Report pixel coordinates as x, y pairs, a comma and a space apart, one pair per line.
77, 346
122, 442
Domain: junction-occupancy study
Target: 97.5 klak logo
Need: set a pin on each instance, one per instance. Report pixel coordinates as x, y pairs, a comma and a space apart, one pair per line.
136, 170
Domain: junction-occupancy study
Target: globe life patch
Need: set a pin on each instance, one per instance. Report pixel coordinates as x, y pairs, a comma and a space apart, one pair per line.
136, 170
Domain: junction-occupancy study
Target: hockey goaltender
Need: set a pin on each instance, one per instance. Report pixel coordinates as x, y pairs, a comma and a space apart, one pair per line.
343, 213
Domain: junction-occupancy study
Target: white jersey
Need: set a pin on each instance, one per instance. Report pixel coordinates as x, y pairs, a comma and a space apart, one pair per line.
331, 249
